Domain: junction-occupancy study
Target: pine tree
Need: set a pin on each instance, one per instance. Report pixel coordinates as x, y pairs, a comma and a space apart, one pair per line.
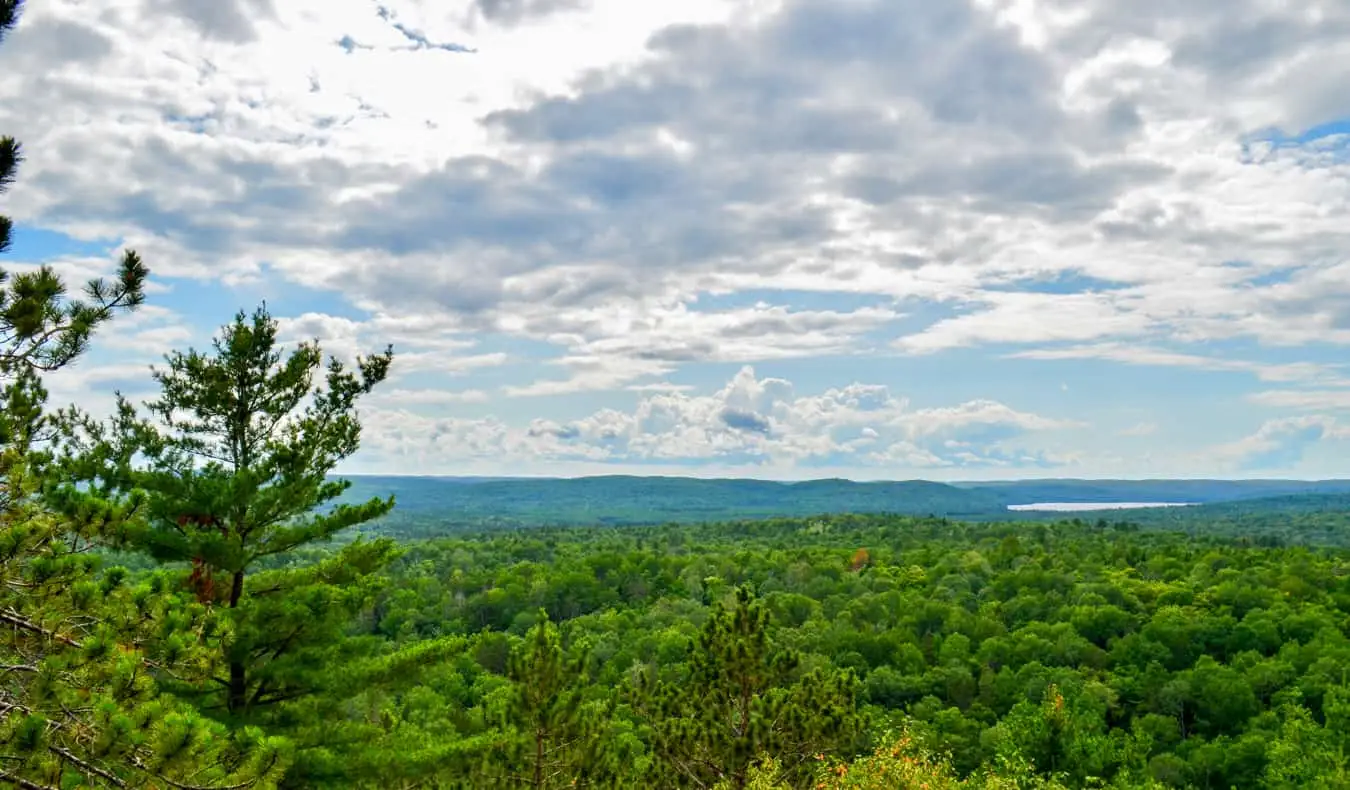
745, 700
78, 700
234, 460
553, 737
78, 703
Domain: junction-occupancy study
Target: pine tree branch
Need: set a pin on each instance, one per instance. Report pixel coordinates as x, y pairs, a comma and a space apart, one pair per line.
85, 766
19, 621
136, 761
24, 784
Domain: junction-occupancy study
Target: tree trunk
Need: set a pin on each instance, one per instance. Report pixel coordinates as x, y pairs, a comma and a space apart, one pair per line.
538, 758
238, 690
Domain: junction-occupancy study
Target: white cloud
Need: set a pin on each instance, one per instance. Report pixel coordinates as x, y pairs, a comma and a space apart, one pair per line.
1144, 355
1140, 429
1304, 400
397, 398
1280, 443
1022, 318
750, 423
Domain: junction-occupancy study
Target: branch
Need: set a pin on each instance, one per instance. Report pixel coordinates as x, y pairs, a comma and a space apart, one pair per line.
136, 761
84, 766
15, 619
24, 784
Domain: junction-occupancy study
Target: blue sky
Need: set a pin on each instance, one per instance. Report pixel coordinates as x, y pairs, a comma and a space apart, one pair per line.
802, 238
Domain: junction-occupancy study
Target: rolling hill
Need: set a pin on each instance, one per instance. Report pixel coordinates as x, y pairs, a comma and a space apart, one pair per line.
450, 503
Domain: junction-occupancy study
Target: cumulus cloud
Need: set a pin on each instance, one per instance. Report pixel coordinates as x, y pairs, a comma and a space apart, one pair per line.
751, 423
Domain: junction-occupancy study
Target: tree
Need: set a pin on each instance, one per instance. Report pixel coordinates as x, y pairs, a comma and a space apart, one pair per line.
78, 703
552, 737
234, 461
78, 699
745, 700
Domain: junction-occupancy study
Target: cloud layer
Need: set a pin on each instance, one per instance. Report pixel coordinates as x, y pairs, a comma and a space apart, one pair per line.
542, 201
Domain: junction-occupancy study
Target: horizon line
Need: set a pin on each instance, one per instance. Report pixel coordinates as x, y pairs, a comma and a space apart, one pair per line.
985, 481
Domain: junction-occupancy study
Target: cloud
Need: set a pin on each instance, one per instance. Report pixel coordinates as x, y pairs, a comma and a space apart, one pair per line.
745, 421
1303, 400
1305, 372
224, 20
419, 345
751, 423
1020, 318
1280, 443
404, 398
965, 146
608, 350
513, 12
1139, 429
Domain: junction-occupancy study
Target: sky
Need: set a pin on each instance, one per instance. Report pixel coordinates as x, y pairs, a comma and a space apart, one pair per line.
876, 239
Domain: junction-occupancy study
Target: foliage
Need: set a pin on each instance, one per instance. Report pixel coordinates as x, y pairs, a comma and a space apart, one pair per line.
552, 736
78, 699
903, 761
743, 698
1065, 652
233, 463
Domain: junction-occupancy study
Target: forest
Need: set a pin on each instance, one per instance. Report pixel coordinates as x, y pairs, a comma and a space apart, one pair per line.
190, 599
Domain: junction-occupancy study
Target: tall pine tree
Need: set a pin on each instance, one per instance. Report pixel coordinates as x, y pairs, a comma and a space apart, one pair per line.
78, 705
234, 460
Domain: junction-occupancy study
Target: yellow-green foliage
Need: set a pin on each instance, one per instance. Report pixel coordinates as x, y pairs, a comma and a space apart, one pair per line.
903, 764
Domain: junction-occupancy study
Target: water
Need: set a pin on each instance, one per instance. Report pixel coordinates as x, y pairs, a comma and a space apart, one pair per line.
1073, 507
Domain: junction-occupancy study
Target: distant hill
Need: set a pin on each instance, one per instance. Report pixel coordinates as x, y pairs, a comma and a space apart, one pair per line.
644, 500
430, 504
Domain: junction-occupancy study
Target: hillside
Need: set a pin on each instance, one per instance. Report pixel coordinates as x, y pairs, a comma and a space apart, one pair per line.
646, 500
433, 504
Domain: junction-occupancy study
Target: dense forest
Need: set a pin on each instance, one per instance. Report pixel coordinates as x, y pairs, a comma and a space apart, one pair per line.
190, 599
433, 507
436, 505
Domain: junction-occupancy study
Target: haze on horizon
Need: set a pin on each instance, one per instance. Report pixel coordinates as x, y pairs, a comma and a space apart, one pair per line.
970, 240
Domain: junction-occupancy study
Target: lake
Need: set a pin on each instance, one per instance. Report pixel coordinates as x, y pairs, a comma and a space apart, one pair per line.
1070, 507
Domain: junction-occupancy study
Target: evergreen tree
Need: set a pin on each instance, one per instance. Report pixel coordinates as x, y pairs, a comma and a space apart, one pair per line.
745, 700
553, 737
78, 704
78, 701
234, 462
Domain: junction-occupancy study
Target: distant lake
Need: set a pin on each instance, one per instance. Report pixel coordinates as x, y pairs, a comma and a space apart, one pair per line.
1067, 507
